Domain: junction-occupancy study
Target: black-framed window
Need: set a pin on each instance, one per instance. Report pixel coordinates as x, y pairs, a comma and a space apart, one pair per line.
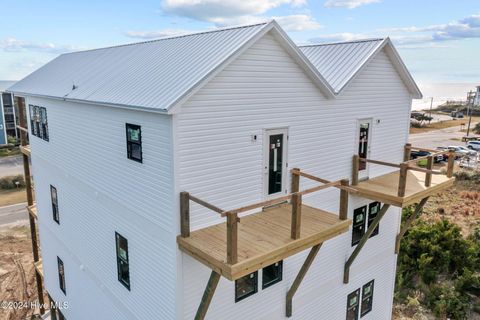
373, 209
134, 142
358, 227
367, 298
246, 286
272, 274
54, 197
61, 275
123, 268
39, 122
353, 301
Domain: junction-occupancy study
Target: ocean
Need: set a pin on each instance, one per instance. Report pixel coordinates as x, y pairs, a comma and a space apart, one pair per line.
441, 92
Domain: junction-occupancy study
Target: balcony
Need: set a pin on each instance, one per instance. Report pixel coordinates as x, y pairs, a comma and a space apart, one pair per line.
409, 184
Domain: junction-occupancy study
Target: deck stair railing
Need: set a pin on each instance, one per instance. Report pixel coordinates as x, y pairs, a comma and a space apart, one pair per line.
408, 164
295, 198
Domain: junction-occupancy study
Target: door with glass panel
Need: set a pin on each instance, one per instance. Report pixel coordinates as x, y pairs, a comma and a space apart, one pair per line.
275, 162
364, 136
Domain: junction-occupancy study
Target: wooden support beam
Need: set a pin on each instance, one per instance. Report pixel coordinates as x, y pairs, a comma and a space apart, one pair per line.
185, 214
451, 163
296, 216
407, 152
428, 175
295, 180
408, 222
343, 212
38, 278
382, 163
366, 236
232, 238
53, 313
298, 280
402, 179
207, 296
355, 168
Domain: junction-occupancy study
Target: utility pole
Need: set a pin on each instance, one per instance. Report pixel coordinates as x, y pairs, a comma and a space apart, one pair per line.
470, 100
431, 105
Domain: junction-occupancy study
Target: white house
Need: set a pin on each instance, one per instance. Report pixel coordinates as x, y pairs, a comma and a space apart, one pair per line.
126, 142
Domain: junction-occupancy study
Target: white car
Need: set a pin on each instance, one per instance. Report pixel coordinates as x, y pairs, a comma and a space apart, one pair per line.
473, 145
462, 151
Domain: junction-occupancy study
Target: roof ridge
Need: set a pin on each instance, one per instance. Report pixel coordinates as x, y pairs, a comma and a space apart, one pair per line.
174, 37
343, 42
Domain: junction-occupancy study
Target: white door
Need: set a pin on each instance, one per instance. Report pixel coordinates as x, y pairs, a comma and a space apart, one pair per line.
275, 162
364, 136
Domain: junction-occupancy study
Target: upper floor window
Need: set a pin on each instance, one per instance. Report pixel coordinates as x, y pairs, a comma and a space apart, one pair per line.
272, 274
61, 275
123, 268
246, 286
39, 122
53, 195
358, 227
355, 305
373, 209
134, 142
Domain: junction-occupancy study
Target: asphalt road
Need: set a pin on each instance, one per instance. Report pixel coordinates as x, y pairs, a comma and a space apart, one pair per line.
10, 166
16, 213
438, 138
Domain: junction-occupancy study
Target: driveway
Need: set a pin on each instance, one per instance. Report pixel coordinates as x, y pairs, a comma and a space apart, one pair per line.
16, 213
10, 166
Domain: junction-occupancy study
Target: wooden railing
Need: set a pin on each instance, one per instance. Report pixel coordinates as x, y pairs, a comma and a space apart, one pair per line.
295, 198
408, 164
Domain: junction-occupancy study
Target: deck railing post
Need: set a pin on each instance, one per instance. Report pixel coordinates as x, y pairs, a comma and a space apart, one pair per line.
296, 215
451, 162
428, 176
402, 179
232, 238
343, 212
407, 152
185, 214
355, 168
295, 180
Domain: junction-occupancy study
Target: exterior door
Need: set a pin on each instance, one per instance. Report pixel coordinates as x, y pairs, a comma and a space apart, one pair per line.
364, 145
275, 162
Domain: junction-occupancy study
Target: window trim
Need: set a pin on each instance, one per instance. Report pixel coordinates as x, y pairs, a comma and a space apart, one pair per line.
130, 143
365, 213
127, 261
61, 278
240, 298
363, 312
275, 281
55, 211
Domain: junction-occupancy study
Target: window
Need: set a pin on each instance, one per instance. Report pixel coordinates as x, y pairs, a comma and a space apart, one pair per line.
61, 275
39, 122
367, 298
358, 228
246, 286
373, 209
134, 142
122, 260
272, 274
53, 195
352, 305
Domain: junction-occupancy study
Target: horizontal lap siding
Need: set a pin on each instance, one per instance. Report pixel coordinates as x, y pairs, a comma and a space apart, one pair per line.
218, 162
100, 191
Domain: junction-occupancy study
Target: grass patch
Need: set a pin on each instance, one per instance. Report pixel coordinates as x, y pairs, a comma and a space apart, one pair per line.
8, 197
7, 152
443, 125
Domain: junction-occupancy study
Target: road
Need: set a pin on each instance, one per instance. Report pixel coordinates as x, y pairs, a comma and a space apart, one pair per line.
437, 138
16, 213
10, 166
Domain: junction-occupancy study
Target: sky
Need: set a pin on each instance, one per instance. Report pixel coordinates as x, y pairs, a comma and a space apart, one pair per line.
439, 40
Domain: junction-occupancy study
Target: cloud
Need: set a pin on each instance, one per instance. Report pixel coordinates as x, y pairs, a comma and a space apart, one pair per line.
155, 34
298, 22
15, 45
339, 37
350, 4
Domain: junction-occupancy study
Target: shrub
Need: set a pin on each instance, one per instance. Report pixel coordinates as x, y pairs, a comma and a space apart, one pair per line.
10, 182
476, 129
446, 302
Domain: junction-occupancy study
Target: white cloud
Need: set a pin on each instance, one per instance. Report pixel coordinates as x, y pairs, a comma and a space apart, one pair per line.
350, 4
155, 34
298, 22
339, 37
15, 45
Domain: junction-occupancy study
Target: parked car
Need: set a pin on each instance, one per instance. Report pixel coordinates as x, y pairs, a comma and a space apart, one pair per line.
419, 154
461, 151
473, 145
445, 154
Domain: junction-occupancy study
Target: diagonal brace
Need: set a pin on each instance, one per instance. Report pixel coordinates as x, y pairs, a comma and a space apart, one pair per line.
207, 296
301, 274
406, 225
362, 242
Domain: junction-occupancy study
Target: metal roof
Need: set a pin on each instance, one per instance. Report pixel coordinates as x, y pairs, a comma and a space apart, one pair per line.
339, 62
151, 75
4, 84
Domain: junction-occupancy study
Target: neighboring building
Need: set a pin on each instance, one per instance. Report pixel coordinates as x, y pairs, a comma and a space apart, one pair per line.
8, 125
477, 97
140, 162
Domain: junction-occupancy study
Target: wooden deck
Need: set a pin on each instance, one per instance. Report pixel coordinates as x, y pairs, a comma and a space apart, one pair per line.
263, 238
385, 188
